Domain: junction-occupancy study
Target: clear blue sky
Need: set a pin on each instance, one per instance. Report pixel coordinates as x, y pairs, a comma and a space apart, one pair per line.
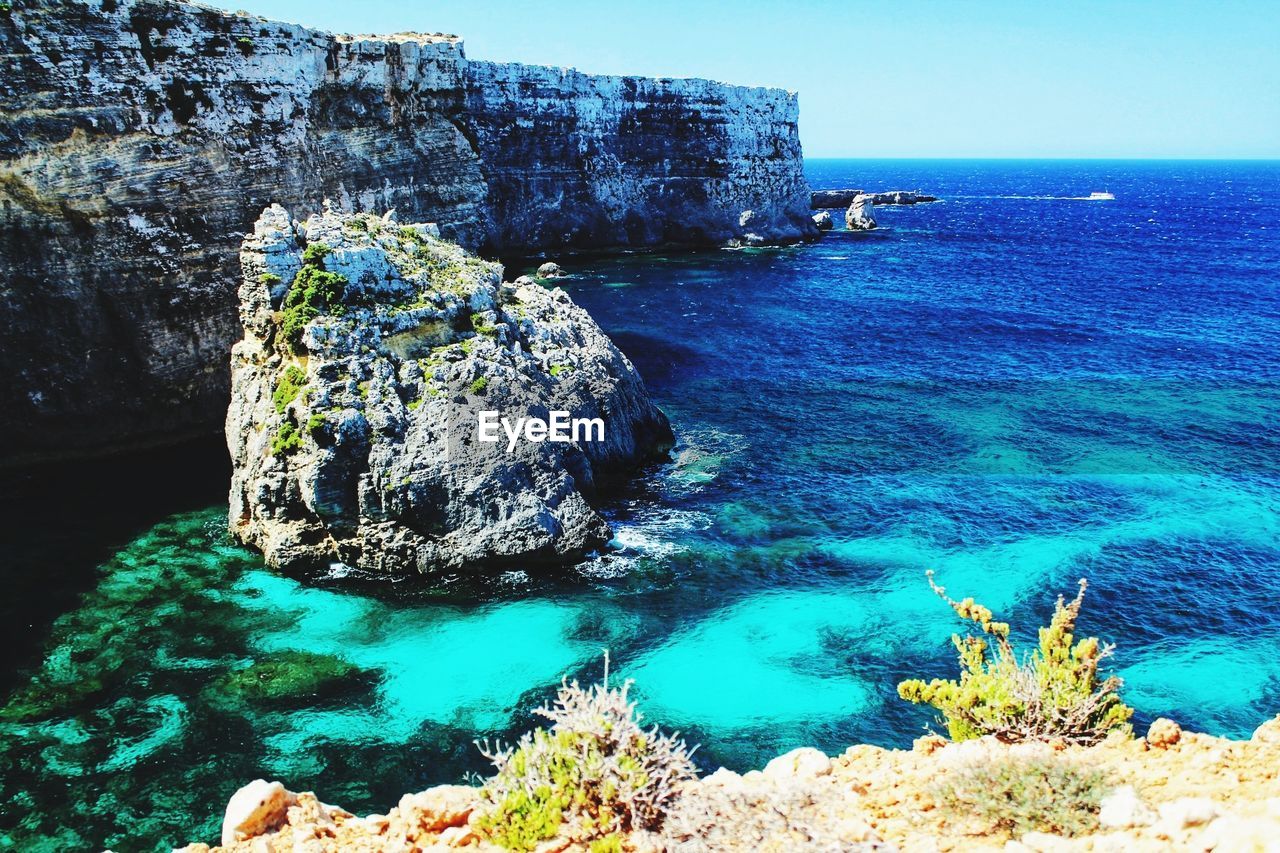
906, 78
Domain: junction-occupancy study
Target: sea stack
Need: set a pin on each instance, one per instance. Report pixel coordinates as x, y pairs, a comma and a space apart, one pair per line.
372, 352
858, 217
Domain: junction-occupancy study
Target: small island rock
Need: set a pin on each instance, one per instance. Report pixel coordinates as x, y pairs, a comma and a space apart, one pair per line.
858, 217
370, 349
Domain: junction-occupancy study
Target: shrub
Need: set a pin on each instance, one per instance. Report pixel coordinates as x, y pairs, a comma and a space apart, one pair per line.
315, 425
314, 291
287, 440
1054, 692
315, 253
1015, 796
288, 387
594, 774
245, 45
479, 384
269, 279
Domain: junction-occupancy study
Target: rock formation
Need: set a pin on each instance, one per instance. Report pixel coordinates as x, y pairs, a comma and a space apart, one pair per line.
858, 217
823, 220
370, 351
840, 199
901, 197
832, 199
1188, 792
141, 138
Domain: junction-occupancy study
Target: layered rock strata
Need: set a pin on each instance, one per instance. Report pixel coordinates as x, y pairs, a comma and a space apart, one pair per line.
140, 139
371, 352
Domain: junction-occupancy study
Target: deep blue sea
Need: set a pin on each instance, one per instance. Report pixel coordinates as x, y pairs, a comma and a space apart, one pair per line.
1013, 387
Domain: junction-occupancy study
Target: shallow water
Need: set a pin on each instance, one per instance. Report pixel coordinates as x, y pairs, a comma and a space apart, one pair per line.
1012, 387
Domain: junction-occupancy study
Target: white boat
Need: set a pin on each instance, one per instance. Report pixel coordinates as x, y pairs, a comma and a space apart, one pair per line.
1101, 197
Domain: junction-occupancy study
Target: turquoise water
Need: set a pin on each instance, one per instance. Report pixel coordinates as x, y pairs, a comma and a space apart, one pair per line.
1011, 387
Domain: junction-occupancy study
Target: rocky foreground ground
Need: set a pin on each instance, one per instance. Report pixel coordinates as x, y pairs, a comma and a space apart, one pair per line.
1169, 790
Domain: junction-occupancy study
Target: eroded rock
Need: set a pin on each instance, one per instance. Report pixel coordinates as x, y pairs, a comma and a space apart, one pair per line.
370, 351
858, 217
257, 808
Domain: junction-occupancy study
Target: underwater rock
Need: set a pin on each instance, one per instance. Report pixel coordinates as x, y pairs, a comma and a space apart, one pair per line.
858, 217
376, 365
41, 700
290, 677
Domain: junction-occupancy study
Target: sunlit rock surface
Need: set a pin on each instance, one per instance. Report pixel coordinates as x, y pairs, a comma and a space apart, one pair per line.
357, 437
140, 140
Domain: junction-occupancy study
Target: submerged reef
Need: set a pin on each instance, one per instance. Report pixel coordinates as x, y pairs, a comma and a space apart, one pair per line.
372, 354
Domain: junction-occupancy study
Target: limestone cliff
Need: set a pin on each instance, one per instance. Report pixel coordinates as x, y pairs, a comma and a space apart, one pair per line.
370, 351
141, 138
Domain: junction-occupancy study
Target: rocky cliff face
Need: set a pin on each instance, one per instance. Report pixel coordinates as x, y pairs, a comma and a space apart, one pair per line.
355, 423
140, 140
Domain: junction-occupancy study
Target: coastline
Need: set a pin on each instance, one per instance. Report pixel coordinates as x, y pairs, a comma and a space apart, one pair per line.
1169, 789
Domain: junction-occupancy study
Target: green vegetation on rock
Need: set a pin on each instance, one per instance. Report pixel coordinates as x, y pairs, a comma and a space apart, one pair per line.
288, 387
287, 439
1014, 796
315, 425
479, 384
314, 291
1055, 692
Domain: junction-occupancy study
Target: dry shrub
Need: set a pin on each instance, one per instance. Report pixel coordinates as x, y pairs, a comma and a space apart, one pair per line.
592, 776
1014, 796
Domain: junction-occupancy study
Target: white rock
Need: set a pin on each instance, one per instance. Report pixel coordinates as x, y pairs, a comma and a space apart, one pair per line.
1188, 811
723, 778
805, 763
858, 217
1232, 833
1122, 809
258, 807
1044, 842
